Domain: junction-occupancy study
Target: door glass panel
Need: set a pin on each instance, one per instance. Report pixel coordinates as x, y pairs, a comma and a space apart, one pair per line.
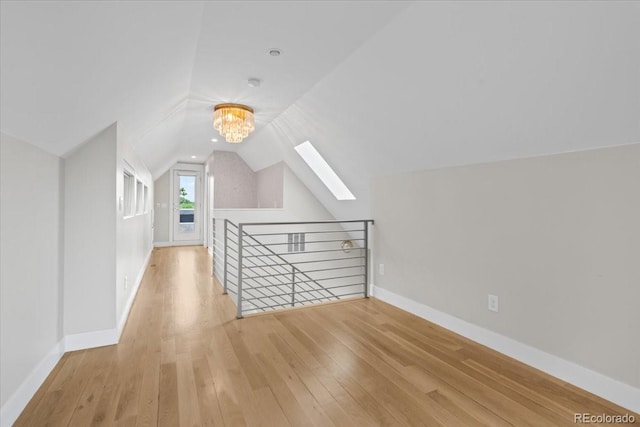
187, 204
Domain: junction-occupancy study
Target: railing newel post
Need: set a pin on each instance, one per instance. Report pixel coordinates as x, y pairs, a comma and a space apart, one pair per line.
240, 243
213, 247
366, 259
226, 262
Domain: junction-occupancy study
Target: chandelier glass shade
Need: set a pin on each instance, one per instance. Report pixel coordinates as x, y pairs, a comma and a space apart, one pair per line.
234, 121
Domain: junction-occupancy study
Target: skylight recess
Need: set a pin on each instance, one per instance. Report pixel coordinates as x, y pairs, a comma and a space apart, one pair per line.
326, 174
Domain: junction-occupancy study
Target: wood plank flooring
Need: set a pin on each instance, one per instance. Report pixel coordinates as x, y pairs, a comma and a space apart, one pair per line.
184, 360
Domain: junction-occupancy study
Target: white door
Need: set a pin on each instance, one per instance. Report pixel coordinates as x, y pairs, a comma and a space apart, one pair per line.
187, 207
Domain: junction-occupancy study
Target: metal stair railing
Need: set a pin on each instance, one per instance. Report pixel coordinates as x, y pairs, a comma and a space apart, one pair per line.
263, 279
274, 280
260, 294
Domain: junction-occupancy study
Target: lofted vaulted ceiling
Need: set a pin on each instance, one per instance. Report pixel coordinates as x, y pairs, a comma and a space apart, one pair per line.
378, 87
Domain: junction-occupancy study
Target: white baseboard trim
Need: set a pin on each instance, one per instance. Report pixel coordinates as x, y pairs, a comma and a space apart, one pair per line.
613, 390
134, 292
91, 339
14, 406
178, 243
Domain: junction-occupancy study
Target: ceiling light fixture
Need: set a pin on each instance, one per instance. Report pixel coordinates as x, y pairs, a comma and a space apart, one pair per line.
253, 82
234, 121
214, 139
274, 51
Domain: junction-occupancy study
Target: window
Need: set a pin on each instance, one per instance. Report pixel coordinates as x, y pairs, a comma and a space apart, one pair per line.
139, 197
128, 194
146, 199
326, 174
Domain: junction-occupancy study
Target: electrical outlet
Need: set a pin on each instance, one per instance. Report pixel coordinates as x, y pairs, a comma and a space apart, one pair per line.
492, 303
381, 269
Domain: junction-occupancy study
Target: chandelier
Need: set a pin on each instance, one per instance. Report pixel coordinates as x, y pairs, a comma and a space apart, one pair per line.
234, 121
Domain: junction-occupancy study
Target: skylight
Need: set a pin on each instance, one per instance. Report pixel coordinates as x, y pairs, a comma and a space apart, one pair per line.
320, 166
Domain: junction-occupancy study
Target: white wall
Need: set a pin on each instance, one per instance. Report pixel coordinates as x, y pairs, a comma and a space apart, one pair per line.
237, 186
30, 261
105, 253
134, 234
299, 204
162, 203
90, 238
270, 186
235, 182
556, 238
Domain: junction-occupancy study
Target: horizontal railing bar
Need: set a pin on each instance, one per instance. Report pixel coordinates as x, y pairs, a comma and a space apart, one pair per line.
314, 299
257, 274
306, 222
302, 281
321, 260
309, 232
306, 243
317, 280
339, 277
334, 268
284, 284
342, 286
307, 252
266, 265
272, 285
306, 300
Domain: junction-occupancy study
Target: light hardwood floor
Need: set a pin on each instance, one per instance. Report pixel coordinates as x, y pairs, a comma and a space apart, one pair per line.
184, 360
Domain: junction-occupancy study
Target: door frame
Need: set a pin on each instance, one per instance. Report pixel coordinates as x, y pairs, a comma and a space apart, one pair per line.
186, 167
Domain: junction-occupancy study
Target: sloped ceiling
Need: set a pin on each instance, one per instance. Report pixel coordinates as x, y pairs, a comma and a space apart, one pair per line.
378, 87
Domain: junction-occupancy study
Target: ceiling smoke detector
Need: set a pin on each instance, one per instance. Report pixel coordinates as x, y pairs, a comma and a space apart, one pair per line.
253, 82
274, 51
